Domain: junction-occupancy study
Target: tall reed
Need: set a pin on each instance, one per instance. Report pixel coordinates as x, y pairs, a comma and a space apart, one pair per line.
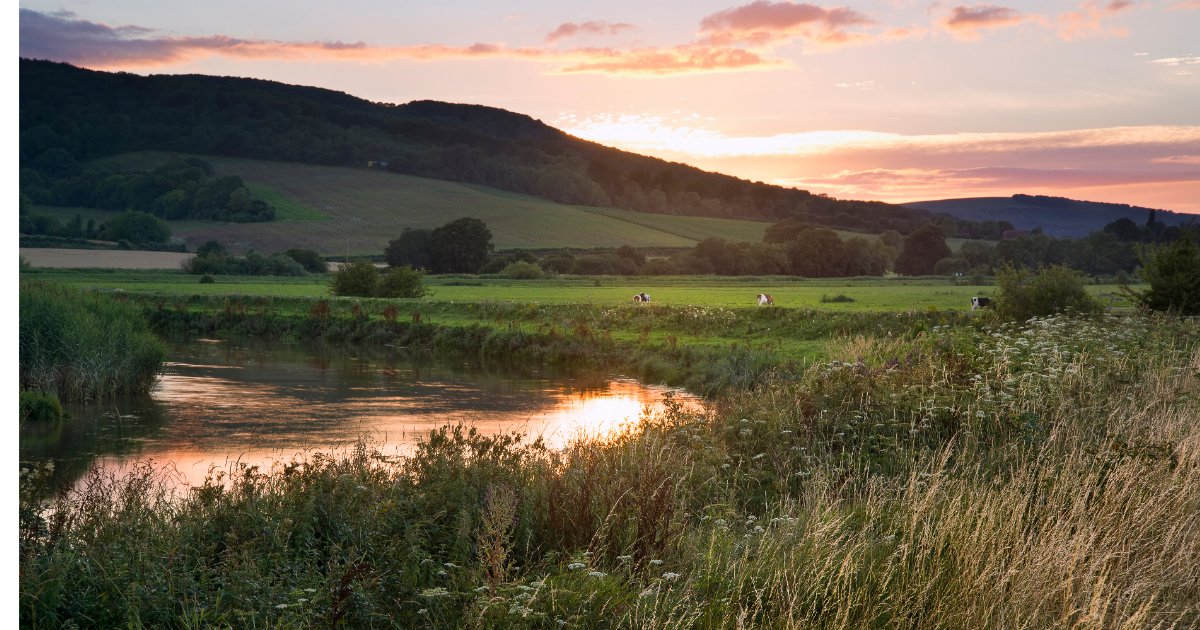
79, 345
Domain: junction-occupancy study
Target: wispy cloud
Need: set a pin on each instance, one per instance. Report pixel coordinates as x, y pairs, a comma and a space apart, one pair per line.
1178, 159
1088, 20
764, 22
654, 135
916, 183
1176, 61
96, 45
594, 27
1190, 4
966, 22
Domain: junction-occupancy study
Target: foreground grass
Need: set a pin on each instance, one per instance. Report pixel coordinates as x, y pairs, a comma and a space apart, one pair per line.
1042, 476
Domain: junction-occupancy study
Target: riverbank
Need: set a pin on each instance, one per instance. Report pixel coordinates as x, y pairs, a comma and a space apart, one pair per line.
1043, 475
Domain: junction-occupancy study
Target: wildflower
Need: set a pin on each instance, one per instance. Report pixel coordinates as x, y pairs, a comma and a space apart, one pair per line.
759, 456
537, 584
656, 562
442, 573
522, 587
744, 432
576, 565
310, 590
597, 574
481, 589
624, 558
450, 565
670, 576
422, 611
646, 593
301, 600
280, 606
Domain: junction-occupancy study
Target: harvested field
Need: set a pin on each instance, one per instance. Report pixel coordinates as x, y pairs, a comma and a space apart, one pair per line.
100, 258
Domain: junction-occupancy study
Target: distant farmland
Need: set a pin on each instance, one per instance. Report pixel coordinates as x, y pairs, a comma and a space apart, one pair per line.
329, 208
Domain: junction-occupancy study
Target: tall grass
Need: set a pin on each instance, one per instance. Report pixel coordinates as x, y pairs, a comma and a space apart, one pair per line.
79, 345
1036, 476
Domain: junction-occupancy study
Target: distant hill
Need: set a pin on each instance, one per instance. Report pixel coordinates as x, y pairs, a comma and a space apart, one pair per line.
1057, 216
71, 116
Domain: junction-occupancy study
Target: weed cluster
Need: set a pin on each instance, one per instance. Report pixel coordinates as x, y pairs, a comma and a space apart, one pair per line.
78, 345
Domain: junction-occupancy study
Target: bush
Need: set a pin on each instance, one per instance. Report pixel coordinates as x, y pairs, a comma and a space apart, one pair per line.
1173, 273
841, 297
659, 267
402, 282
1024, 293
252, 264
82, 345
207, 279
37, 407
357, 278
312, 261
524, 271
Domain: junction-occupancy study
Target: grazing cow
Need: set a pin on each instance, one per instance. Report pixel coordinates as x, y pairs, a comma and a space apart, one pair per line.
641, 297
765, 299
978, 303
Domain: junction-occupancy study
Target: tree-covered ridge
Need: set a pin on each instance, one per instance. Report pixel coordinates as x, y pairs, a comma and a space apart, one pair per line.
88, 114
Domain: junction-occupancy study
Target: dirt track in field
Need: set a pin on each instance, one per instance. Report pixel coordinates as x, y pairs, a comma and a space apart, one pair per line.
102, 258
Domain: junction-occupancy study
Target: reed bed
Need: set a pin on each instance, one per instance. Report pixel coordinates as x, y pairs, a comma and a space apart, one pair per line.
78, 345
1045, 475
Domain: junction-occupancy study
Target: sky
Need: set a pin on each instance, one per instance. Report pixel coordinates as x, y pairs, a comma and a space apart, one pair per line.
873, 99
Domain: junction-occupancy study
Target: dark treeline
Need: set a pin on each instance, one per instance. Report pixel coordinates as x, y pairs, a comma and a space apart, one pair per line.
179, 189
71, 115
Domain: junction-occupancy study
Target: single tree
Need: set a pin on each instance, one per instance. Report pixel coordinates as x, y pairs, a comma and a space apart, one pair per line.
1173, 272
922, 250
412, 248
460, 246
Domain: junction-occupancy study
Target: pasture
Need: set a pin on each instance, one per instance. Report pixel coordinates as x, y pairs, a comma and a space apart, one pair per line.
330, 209
893, 293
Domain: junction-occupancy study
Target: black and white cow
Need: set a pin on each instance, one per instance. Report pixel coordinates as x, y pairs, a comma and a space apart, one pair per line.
980, 302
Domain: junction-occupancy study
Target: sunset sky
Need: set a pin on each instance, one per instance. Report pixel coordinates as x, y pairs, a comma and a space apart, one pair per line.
873, 99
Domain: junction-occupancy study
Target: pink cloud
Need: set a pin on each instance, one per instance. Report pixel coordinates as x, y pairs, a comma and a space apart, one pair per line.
992, 177
595, 27
1190, 4
1088, 20
763, 22
1179, 159
96, 45
965, 22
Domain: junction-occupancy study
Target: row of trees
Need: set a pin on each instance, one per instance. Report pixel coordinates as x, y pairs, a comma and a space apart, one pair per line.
179, 189
132, 228
460, 246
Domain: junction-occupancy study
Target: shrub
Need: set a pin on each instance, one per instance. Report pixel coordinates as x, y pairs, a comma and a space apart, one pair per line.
841, 297
37, 407
211, 248
1173, 273
207, 279
252, 264
1024, 293
82, 345
402, 282
495, 265
357, 278
311, 260
659, 267
524, 271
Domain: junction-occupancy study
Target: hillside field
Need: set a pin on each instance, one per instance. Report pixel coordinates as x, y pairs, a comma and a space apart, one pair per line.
329, 208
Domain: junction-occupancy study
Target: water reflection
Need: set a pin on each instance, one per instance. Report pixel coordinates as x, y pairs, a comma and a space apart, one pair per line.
258, 402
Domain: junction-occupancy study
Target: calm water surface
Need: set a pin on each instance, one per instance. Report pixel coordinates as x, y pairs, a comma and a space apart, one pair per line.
222, 401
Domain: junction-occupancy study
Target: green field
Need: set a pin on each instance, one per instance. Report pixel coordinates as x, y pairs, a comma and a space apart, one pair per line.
332, 209
868, 293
